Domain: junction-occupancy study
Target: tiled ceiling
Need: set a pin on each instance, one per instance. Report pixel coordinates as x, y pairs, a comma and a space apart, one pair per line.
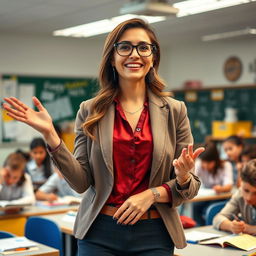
42, 17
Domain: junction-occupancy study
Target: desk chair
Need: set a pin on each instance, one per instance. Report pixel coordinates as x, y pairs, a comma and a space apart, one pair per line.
44, 231
4, 234
212, 210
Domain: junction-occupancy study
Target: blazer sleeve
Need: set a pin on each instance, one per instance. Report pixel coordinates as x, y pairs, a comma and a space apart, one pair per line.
75, 168
183, 139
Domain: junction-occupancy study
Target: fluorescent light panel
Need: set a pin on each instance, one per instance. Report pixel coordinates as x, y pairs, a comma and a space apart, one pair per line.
102, 26
191, 7
225, 35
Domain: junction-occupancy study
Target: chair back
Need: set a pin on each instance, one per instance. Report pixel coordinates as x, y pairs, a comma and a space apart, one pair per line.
44, 231
212, 210
4, 234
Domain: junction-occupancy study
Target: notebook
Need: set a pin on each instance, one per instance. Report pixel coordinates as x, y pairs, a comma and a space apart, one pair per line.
16, 244
9, 205
241, 241
195, 237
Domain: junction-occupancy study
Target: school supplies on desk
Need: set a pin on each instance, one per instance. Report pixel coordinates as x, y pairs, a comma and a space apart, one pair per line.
62, 201
16, 244
5, 205
194, 237
241, 241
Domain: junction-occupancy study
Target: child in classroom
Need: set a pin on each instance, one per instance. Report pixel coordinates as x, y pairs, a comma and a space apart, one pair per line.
56, 187
15, 184
214, 173
239, 214
233, 146
248, 153
40, 167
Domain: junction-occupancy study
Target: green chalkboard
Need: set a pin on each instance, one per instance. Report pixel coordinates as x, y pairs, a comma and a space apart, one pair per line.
61, 96
203, 110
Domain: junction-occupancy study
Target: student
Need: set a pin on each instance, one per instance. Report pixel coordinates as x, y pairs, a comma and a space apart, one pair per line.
248, 153
233, 147
55, 187
40, 166
133, 152
239, 214
213, 173
15, 185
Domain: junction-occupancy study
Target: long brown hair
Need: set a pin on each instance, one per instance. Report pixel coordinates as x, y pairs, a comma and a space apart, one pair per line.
108, 77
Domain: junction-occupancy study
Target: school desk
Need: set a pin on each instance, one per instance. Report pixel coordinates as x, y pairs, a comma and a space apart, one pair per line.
43, 250
15, 223
209, 250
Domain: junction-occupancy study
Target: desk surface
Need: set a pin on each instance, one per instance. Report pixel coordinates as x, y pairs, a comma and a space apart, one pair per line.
38, 210
222, 196
209, 250
43, 250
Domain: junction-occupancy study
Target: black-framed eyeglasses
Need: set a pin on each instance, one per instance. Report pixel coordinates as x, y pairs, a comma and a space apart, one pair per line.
126, 49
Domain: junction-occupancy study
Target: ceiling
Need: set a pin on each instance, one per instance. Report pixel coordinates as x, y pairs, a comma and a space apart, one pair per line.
42, 17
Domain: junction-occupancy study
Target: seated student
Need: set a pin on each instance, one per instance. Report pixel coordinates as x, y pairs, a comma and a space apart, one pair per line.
40, 166
248, 153
242, 204
213, 173
233, 147
15, 184
55, 187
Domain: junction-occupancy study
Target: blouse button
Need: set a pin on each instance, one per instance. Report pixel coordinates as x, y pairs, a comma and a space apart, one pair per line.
138, 129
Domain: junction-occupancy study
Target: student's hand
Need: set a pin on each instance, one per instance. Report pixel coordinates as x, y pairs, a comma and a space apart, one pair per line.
51, 197
217, 188
237, 226
134, 207
39, 120
249, 229
186, 162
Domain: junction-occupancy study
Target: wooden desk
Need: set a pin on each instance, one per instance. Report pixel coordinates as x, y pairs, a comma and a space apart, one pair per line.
43, 250
209, 250
201, 198
15, 223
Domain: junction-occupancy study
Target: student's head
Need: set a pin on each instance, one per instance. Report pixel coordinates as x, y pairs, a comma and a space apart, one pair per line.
248, 182
210, 158
122, 61
13, 169
38, 152
233, 147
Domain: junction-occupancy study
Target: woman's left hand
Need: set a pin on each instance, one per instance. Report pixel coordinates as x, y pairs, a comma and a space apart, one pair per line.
186, 162
134, 207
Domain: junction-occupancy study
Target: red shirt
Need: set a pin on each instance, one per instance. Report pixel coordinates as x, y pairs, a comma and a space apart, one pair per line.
132, 155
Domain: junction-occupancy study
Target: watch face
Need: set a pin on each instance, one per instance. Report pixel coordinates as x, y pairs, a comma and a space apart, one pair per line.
233, 68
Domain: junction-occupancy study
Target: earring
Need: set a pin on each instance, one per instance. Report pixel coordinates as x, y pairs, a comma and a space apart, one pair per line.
114, 73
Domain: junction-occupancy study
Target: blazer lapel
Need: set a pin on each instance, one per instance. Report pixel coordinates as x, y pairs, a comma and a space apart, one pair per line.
158, 118
106, 127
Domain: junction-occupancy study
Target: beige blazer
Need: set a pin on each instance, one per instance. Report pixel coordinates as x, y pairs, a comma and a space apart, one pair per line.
91, 167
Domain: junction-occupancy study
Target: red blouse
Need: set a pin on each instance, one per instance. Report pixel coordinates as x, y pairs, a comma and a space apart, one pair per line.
132, 155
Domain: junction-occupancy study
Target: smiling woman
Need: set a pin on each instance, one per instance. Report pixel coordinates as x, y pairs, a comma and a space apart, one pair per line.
133, 156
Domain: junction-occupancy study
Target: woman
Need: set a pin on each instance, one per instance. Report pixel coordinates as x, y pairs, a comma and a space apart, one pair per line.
129, 138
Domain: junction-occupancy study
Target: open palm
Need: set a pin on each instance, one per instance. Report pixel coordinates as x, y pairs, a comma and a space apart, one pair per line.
39, 120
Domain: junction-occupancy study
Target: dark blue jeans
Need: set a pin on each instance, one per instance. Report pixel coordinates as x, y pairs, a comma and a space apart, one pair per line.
107, 238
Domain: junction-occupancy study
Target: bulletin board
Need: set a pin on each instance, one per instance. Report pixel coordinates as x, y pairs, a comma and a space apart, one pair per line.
61, 96
207, 105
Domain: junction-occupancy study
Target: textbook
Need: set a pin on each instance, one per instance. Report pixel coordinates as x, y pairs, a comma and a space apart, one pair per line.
62, 201
4, 205
241, 241
17, 244
194, 237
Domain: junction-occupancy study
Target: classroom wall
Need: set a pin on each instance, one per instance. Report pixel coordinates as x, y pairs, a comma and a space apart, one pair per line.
204, 61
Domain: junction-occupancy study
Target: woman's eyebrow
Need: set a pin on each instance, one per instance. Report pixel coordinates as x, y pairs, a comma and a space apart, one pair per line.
140, 42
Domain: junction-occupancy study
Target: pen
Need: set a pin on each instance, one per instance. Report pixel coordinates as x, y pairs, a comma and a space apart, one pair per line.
237, 217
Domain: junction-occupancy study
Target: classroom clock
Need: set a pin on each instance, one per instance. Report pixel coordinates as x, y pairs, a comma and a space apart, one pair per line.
233, 68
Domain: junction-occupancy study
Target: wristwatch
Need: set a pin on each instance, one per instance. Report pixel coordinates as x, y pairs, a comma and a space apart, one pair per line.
156, 194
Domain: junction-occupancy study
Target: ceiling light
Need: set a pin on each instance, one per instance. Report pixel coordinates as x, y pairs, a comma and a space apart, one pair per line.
191, 7
102, 26
224, 35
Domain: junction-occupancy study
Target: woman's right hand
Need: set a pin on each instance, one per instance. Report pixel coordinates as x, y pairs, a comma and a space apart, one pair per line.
39, 120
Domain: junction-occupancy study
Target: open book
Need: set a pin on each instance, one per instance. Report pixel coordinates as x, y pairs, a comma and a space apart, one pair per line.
242, 241
4, 205
18, 243
195, 237
62, 201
